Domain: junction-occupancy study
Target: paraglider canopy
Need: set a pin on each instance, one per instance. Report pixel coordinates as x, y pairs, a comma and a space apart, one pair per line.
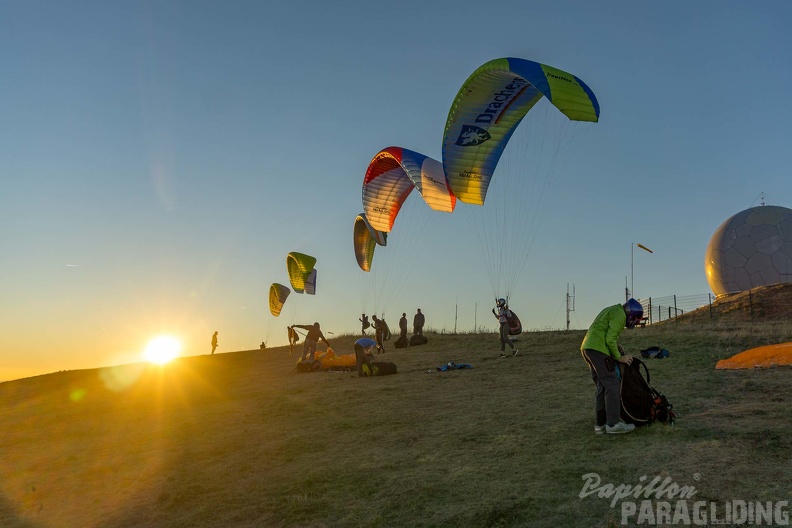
302, 275
390, 178
487, 110
277, 296
764, 356
365, 240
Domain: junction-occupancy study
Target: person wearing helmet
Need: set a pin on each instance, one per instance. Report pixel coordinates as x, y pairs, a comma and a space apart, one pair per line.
601, 351
503, 314
311, 338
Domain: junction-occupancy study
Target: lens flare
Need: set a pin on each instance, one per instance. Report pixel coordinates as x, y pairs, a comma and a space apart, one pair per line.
162, 349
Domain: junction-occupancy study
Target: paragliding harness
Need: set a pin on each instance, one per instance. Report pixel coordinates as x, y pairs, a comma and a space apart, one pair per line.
515, 326
642, 404
402, 342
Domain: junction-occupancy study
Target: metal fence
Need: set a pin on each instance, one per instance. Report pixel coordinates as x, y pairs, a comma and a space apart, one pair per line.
658, 309
764, 303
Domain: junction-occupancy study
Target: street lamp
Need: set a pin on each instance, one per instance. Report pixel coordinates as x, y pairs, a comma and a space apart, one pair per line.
632, 264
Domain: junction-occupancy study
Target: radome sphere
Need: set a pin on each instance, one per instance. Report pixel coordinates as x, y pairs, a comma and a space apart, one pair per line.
752, 248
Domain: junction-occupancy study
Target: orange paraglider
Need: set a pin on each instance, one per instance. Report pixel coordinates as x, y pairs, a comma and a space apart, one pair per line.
760, 357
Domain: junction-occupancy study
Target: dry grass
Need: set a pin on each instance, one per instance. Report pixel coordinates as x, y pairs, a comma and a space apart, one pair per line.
240, 440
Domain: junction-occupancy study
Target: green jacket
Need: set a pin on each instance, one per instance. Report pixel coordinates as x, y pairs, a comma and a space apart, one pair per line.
603, 334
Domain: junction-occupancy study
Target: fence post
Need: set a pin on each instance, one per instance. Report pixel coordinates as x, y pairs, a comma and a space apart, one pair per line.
750, 304
675, 307
709, 295
650, 310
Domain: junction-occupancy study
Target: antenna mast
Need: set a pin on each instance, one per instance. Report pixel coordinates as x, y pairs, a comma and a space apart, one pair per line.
568, 299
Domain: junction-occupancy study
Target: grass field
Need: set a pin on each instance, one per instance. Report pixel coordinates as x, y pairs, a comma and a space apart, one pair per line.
240, 440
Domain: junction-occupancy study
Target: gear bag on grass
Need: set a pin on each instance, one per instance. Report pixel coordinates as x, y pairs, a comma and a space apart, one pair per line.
642, 404
654, 352
379, 368
418, 340
402, 342
308, 365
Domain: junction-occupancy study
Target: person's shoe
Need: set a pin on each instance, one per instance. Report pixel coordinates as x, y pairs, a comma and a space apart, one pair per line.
599, 429
515, 352
619, 428
503, 355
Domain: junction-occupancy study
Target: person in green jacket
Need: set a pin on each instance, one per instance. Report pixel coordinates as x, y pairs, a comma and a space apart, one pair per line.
601, 350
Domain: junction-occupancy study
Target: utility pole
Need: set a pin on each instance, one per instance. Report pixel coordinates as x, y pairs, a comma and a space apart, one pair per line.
568, 309
456, 312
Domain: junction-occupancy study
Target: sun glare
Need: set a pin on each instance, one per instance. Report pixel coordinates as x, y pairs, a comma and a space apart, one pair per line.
162, 349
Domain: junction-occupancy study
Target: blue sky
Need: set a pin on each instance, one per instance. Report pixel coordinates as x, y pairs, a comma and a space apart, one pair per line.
158, 160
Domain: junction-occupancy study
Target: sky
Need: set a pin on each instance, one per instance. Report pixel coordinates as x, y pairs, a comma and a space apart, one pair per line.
158, 160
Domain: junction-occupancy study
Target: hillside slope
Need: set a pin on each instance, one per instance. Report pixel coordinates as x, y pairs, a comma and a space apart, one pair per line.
241, 440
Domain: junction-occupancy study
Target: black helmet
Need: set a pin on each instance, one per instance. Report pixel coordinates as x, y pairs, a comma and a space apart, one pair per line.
634, 312
501, 302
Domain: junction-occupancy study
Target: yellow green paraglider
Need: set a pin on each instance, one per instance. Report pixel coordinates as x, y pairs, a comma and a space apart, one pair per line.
277, 296
302, 275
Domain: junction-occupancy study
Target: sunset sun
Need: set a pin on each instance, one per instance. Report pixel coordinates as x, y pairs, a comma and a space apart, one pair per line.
162, 349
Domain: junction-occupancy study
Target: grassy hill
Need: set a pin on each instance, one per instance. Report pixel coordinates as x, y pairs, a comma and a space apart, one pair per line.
240, 440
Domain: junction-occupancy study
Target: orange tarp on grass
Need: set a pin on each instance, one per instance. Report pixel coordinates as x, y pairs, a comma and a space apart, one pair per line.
764, 356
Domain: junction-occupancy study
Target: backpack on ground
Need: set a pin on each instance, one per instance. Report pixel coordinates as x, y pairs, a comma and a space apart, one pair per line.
308, 365
381, 368
642, 404
402, 342
654, 352
418, 340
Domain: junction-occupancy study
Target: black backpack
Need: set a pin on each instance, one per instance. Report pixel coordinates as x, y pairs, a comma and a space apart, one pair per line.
642, 404
308, 366
418, 340
402, 342
382, 368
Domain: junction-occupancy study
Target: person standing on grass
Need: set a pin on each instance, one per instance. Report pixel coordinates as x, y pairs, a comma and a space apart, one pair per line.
601, 351
293, 338
364, 323
502, 315
418, 323
364, 353
214, 341
403, 326
312, 337
379, 333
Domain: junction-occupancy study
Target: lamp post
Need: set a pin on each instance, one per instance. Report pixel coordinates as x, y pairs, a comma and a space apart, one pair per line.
632, 264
